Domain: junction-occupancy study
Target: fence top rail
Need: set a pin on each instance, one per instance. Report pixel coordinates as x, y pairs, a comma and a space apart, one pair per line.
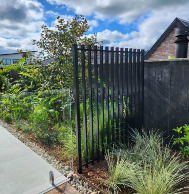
119, 50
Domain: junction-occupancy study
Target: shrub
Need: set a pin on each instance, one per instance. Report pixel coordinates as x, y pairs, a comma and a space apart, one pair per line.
147, 167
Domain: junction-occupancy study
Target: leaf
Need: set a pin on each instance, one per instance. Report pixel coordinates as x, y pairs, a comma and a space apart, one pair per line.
170, 57
54, 98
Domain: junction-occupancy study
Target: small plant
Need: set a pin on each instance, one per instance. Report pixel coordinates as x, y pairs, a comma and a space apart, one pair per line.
18, 124
7, 117
183, 140
25, 127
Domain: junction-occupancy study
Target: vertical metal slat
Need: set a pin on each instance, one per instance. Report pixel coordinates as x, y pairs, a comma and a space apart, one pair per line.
126, 90
102, 98
90, 105
77, 111
138, 89
84, 104
142, 81
107, 94
130, 88
96, 101
117, 94
121, 95
134, 88
112, 95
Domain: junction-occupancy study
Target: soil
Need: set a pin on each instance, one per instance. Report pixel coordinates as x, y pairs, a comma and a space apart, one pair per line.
95, 175
65, 188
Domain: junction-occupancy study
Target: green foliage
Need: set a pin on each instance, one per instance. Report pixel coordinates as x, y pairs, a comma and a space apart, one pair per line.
58, 44
3, 71
24, 126
6, 116
40, 111
66, 137
147, 167
183, 140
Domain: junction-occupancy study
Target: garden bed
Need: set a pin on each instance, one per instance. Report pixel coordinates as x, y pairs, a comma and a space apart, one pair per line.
95, 175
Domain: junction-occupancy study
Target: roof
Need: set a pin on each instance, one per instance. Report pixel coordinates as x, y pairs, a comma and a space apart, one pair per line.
177, 22
18, 53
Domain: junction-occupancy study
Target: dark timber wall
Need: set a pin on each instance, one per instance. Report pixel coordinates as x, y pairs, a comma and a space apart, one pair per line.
166, 94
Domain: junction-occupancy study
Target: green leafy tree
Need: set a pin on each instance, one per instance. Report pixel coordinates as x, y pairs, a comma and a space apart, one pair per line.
58, 44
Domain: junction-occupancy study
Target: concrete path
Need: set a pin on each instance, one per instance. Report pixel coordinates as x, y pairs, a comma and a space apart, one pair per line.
22, 170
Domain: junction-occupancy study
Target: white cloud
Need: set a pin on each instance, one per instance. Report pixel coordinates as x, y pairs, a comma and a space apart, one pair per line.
108, 37
19, 18
149, 29
19, 21
52, 13
125, 11
92, 23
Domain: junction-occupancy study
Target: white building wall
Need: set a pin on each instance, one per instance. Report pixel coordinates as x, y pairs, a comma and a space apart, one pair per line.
10, 57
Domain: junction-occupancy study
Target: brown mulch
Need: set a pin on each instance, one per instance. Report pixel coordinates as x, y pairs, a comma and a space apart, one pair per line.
95, 175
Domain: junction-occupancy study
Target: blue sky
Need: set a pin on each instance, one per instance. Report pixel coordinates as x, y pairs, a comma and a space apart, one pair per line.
119, 23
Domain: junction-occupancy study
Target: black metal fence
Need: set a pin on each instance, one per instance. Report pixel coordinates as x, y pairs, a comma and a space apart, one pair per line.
110, 85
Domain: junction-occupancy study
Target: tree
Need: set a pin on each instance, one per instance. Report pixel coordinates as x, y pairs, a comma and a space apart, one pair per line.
58, 44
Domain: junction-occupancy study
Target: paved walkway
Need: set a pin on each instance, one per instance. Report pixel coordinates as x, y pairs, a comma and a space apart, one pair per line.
22, 170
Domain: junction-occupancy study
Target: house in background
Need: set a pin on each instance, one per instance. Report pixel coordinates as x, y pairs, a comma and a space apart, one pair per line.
12, 58
165, 45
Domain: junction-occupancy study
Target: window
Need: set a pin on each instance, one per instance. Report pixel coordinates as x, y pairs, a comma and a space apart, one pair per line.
7, 61
14, 61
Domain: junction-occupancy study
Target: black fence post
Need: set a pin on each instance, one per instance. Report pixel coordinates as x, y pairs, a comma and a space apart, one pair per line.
90, 105
96, 101
142, 80
126, 92
117, 94
77, 111
84, 104
112, 95
107, 94
134, 88
130, 88
121, 96
102, 98
138, 89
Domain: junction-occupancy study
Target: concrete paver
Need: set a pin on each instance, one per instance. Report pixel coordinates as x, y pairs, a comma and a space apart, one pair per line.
22, 170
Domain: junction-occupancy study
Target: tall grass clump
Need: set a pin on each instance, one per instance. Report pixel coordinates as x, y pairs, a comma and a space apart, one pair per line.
146, 166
